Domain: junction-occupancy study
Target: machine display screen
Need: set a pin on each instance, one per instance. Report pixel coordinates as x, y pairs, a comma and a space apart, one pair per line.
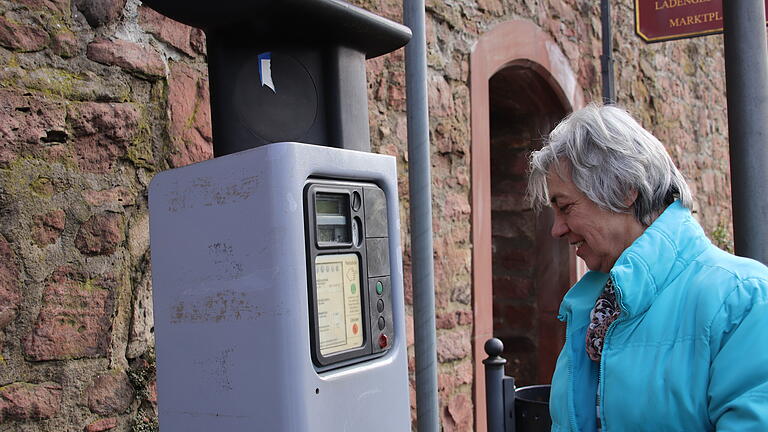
332, 215
339, 308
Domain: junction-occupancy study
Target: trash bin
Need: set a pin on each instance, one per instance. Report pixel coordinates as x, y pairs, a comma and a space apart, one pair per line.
532, 409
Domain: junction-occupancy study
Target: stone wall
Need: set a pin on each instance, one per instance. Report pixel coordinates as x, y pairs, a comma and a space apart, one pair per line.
96, 96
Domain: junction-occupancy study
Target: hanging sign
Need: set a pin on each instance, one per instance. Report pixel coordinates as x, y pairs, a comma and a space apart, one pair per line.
660, 20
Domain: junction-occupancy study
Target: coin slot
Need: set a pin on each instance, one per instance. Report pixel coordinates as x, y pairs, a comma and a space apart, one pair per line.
356, 200
357, 231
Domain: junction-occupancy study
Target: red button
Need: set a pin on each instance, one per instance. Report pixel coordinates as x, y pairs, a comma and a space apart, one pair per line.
383, 341
354, 328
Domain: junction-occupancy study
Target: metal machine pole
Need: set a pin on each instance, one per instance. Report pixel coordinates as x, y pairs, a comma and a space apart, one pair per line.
606, 59
421, 219
746, 71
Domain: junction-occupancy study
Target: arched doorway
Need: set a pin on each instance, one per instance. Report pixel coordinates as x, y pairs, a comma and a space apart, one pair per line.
529, 267
521, 85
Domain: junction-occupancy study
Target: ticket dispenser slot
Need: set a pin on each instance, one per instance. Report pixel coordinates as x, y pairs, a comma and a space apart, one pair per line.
349, 273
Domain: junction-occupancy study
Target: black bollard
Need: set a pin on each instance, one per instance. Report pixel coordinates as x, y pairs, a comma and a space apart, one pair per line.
494, 389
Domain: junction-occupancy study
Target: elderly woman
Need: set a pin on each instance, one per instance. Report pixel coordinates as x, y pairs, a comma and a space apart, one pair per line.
666, 332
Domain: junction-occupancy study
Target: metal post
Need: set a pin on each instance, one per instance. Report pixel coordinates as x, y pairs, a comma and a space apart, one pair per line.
746, 72
508, 387
420, 185
606, 59
494, 389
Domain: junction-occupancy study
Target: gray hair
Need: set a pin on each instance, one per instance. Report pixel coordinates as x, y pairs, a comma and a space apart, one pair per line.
610, 156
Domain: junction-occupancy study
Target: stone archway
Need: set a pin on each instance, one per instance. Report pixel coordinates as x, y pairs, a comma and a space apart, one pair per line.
521, 84
529, 267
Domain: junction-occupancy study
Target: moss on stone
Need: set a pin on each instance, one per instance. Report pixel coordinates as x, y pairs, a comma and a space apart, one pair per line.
142, 375
90, 285
144, 422
140, 153
56, 82
54, 19
15, 178
140, 150
13, 61
42, 187
28, 177
721, 237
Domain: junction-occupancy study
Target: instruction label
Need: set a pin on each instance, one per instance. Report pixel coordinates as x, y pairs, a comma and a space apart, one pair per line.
339, 309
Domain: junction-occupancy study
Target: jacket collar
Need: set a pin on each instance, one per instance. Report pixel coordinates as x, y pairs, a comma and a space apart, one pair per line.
647, 266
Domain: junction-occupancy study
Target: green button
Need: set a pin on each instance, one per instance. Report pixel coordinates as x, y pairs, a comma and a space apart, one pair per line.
353, 288
379, 288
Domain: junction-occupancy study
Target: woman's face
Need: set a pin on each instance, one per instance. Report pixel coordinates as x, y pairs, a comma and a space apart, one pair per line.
599, 236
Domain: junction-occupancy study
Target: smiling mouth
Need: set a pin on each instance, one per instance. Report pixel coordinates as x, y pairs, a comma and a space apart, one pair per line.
577, 244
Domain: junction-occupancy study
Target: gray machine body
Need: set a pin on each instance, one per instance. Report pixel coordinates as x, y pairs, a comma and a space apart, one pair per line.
231, 302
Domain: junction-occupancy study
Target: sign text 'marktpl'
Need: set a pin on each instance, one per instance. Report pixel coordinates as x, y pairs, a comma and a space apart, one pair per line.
660, 20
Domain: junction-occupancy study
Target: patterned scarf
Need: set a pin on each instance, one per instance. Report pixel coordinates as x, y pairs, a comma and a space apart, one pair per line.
605, 312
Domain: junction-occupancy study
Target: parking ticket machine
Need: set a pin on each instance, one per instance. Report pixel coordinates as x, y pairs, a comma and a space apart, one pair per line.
278, 292
277, 272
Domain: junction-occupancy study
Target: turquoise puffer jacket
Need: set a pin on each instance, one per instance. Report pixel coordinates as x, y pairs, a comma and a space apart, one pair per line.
689, 351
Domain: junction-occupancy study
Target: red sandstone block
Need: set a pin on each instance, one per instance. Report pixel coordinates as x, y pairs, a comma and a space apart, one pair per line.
21, 37
102, 133
457, 414
189, 102
100, 12
167, 30
198, 41
454, 345
65, 44
112, 120
460, 409
102, 425
440, 97
48, 227
110, 394
24, 401
446, 320
453, 375
100, 234
141, 60
464, 317
446, 382
26, 122
456, 204
75, 319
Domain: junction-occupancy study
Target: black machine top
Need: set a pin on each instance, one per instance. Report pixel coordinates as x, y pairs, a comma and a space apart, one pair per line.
288, 70
333, 22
